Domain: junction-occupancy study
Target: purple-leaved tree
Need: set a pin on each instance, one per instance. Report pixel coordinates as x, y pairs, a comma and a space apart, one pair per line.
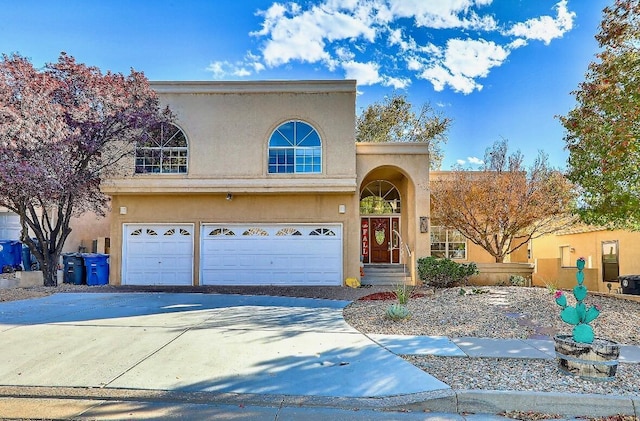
63, 130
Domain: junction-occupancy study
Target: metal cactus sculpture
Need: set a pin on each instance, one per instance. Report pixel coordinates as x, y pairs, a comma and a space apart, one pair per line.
580, 316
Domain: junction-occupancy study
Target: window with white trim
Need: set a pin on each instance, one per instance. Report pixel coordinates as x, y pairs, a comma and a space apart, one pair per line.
295, 147
164, 150
449, 243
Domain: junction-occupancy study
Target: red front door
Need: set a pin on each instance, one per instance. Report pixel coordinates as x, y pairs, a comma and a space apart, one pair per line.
380, 237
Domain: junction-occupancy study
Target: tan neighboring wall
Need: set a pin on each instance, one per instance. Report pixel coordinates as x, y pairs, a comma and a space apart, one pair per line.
546, 255
84, 230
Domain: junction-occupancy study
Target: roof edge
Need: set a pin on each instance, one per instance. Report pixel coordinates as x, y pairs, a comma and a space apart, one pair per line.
260, 86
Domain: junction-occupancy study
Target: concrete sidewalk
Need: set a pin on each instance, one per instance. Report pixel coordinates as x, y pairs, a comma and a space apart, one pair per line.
482, 347
90, 355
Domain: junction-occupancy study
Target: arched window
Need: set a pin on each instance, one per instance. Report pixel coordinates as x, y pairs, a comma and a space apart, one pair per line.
295, 147
162, 151
380, 198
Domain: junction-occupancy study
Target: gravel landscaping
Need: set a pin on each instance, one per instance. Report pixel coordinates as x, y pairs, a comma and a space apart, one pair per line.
505, 312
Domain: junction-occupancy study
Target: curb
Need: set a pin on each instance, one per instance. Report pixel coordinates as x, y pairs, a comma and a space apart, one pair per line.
46, 399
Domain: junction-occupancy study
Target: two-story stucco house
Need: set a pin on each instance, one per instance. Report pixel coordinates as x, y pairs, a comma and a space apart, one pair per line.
263, 183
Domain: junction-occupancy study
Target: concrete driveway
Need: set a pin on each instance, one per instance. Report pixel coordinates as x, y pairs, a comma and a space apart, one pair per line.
198, 342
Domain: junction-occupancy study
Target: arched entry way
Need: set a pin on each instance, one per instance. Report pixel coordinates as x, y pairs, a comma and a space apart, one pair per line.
380, 217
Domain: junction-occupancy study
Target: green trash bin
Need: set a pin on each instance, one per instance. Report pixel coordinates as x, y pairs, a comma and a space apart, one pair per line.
74, 271
97, 268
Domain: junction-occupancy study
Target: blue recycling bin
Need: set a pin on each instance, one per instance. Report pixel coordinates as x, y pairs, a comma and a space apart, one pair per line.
10, 255
29, 261
74, 271
97, 268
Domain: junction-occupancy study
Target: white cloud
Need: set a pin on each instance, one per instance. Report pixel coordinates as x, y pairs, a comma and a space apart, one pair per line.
464, 61
303, 36
545, 28
443, 14
224, 69
473, 58
370, 41
471, 160
217, 68
364, 73
344, 54
396, 82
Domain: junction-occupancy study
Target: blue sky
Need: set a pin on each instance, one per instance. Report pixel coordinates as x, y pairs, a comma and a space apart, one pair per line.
498, 68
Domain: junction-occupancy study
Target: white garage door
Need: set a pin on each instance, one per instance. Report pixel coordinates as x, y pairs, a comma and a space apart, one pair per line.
157, 254
271, 254
9, 226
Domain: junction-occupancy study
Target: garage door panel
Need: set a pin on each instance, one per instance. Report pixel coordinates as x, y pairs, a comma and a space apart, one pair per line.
275, 257
158, 254
10, 227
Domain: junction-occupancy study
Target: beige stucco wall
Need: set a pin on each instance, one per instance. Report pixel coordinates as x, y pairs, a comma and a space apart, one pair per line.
477, 254
214, 208
589, 246
550, 273
84, 230
406, 165
228, 125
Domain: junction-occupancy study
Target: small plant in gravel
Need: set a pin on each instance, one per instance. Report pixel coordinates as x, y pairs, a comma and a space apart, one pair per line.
473, 291
403, 293
397, 311
552, 287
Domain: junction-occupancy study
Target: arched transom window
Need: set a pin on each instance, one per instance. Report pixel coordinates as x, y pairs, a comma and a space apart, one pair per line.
379, 198
163, 150
295, 147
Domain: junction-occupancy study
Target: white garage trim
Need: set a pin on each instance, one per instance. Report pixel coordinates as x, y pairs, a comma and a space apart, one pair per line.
157, 254
10, 227
271, 254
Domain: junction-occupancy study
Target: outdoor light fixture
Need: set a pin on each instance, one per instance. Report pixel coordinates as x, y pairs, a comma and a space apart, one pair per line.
229, 196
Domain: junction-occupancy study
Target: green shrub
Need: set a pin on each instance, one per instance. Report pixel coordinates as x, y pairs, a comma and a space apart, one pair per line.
517, 281
443, 273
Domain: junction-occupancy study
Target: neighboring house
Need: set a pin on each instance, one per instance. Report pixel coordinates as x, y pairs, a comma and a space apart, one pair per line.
261, 183
608, 253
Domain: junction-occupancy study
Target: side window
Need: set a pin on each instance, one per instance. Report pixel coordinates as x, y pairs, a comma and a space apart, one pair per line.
295, 147
164, 150
448, 243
